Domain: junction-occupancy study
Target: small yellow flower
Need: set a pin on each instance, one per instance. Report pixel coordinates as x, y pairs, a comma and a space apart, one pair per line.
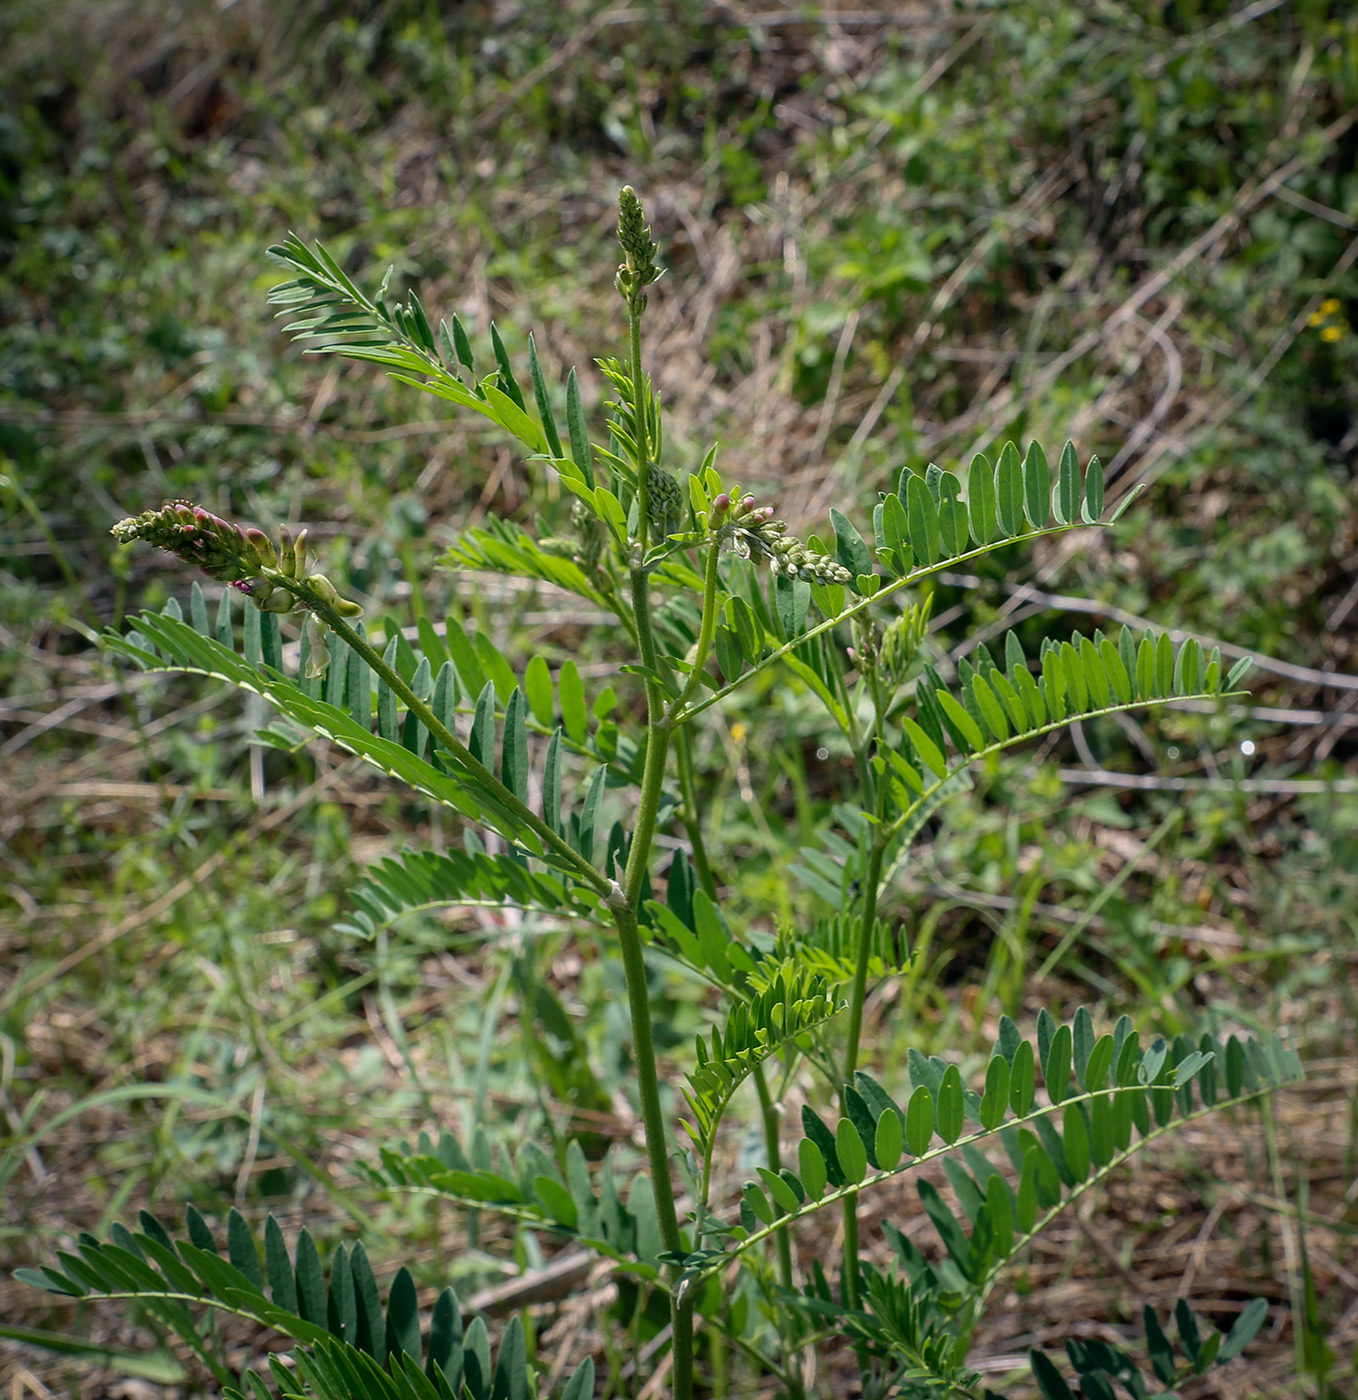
1331, 333
1316, 318
738, 732
1329, 306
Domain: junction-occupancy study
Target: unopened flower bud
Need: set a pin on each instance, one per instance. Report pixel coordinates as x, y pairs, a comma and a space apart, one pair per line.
639, 269
263, 547
246, 559
197, 536
346, 607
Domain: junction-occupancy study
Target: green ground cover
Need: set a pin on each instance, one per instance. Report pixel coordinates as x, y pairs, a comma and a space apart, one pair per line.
892, 237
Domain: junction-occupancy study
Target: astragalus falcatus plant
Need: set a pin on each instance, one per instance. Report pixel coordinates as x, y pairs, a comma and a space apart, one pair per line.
711, 593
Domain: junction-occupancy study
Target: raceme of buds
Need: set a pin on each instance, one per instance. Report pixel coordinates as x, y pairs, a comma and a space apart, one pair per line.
751, 531
867, 643
903, 639
221, 550
638, 270
589, 531
247, 560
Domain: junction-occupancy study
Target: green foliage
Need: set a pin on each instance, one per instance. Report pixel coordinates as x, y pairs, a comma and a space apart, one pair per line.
1099, 1094
793, 1002
1098, 1365
561, 1199
349, 1345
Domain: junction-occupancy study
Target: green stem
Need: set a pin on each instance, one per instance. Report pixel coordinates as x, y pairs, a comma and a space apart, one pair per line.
648, 1083
688, 789
625, 902
707, 630
858, 741
768, 1114
683, 751
652, 1116
857, 996
643, 833
421, 710
681, 1317
639, 415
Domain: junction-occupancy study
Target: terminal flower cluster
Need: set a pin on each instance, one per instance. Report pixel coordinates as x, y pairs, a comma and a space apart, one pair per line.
273, 578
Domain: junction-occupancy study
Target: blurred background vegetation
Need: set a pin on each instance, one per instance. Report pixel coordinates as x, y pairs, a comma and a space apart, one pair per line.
895, 233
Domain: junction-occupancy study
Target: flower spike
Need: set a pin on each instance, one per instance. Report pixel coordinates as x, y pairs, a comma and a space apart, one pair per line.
248, 561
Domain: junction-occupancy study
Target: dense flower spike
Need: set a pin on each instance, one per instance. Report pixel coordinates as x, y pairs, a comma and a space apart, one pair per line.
221, 550
248, 561
638, 271
752, 532
666, 502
